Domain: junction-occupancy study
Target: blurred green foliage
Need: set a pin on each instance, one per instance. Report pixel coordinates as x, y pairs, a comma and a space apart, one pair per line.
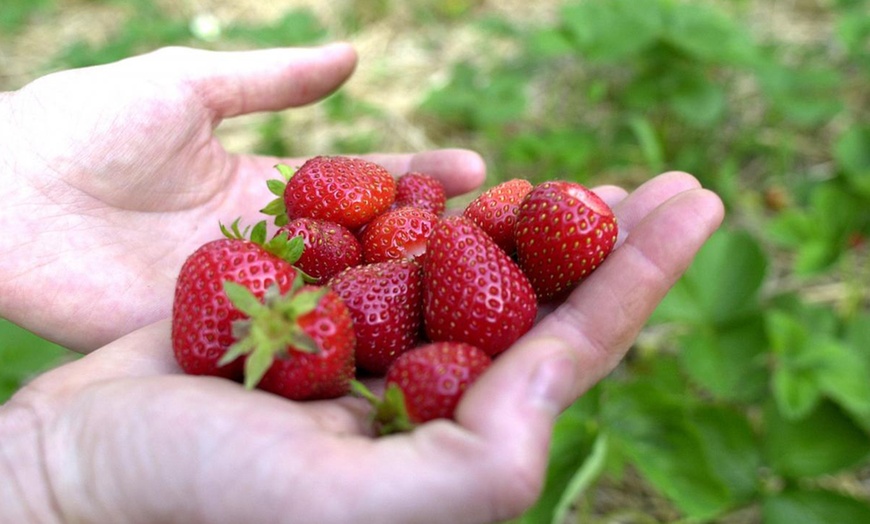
751, 390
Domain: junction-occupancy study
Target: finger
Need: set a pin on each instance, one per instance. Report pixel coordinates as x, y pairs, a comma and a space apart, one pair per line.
648, 196
232, 83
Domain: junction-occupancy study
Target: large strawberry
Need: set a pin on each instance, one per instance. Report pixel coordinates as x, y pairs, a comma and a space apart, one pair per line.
425, 383
495, 211
420, 190
473, 291
397, 234
298, 344
328, 247
202, 315
564, 232
385, 302
344, 190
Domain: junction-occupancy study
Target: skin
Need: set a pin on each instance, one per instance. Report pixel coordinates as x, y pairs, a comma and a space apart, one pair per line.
118, 165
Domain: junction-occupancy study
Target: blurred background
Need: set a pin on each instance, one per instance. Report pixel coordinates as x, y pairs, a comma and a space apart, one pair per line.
747, 397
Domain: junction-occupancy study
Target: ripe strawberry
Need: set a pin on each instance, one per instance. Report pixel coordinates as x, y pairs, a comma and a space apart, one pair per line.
495, 211
347, 191
424, 384
397, 234
420, 190
473, 292
564, 231
202, 315
299, 345
328, 247
386, 303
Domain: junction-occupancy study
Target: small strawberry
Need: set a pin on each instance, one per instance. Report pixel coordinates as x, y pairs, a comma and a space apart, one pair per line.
397, 234
386, 304
298, 344
495, 211
328, 247
564, 232
425, 383
472, 291
202, 315
420, 190
347, 191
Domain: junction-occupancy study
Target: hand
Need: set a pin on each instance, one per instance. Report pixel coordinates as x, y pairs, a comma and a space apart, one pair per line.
112, 175
123, 437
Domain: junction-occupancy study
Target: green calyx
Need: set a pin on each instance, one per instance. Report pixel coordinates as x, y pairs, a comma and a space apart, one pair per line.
390, 414
276, 207
272, 328
281, 245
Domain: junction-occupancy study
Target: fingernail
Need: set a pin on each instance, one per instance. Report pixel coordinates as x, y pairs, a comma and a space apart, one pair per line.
553, 382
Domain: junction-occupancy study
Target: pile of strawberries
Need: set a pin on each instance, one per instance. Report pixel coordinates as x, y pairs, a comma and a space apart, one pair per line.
367, 276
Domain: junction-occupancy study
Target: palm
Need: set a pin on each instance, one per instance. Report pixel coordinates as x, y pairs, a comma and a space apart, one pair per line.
148, 181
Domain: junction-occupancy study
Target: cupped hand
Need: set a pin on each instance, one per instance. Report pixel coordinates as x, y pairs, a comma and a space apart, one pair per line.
112, 175
124, 437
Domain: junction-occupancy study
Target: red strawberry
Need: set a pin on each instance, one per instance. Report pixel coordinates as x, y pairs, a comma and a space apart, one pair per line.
328, 247
347, 191
202, 315
424, 384
564, 231
420, 190
472, 291
495, 211
397, 234
299, 345
386, 303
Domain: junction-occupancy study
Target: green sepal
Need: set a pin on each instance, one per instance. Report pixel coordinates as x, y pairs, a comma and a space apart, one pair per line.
276, 187
276, 207
284, 247
233, 232
390, 414
271, 328
242, 298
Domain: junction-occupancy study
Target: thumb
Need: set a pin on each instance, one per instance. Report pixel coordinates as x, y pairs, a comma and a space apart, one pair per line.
233, 83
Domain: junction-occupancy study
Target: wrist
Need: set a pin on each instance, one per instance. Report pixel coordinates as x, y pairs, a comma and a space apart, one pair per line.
24, 489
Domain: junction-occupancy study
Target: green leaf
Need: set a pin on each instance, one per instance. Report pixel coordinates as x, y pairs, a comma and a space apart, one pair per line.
823, 442
795, 506
852, 153
732, 449
728, 362
721, 285
708, 35
573, 438
24, 355
613, 30
651, 429
591, 469
649, 142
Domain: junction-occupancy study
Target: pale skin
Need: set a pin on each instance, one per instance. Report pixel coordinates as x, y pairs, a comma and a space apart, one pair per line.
117, 166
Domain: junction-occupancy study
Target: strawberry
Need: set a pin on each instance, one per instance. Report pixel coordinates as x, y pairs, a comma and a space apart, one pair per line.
202, 315
347, 191
299, 345
564, 232
473, 291
397, 234
420, 190
425, 383
495, 211
385, 302
328, 247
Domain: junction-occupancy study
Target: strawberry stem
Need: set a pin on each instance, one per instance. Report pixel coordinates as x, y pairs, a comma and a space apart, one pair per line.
390, 414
